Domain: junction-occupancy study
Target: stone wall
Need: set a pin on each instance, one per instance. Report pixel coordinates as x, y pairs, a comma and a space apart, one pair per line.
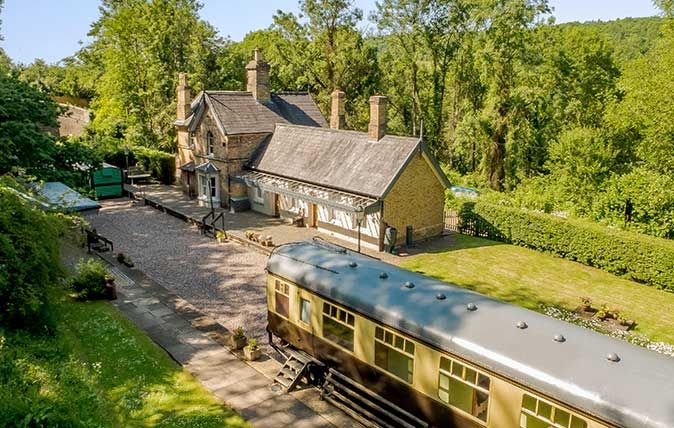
416, 200
73, 121
230, 153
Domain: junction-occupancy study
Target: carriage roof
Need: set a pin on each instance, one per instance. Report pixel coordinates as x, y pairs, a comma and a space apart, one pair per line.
636, 391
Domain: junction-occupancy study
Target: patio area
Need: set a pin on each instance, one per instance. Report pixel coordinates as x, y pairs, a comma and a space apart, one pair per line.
172, 200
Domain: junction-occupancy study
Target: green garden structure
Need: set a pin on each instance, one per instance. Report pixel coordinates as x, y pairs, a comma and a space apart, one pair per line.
107, 181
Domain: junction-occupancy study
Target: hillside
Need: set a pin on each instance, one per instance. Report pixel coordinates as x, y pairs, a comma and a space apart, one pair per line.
629, 37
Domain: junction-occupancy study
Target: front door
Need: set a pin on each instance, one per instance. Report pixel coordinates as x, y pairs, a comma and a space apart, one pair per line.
313, 215
208, 189
277, 205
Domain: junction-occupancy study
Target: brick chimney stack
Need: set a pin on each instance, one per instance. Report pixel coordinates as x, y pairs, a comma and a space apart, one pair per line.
337, 112
257, 77
184, 95
377, 127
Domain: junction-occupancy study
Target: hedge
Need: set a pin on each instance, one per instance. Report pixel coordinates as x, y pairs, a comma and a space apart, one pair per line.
637, 257
160, 164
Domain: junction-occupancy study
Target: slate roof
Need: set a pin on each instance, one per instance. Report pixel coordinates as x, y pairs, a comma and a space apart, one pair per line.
339, 159
238, 112
634, 392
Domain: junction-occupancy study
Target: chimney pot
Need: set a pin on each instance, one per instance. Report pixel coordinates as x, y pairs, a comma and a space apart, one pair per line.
337, 111
377, 126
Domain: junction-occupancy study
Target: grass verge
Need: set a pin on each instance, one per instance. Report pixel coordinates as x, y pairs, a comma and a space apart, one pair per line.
529, 278
99, 370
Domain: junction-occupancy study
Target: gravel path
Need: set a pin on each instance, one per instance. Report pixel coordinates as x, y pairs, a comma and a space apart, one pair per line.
225, 281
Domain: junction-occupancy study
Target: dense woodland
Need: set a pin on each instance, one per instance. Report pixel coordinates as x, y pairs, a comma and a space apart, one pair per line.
572, 119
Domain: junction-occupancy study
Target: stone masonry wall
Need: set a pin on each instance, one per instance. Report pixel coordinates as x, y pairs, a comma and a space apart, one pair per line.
416, 200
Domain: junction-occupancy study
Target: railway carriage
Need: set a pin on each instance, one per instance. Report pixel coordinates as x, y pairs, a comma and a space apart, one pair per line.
449, 357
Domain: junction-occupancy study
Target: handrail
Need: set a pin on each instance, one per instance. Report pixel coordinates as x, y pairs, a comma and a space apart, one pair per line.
219, 217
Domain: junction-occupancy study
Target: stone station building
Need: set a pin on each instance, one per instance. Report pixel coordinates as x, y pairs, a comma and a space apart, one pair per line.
275, 154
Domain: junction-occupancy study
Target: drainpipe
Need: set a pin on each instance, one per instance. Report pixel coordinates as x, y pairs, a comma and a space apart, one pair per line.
381, 226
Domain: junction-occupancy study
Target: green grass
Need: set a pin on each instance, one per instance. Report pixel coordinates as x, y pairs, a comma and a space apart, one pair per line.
99, 370
528, 278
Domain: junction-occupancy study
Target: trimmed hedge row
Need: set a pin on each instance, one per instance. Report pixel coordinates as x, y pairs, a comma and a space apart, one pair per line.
637, 257
160, 164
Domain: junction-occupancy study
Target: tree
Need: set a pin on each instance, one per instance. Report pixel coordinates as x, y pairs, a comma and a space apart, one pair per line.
141, 47
644, 115
506, 38
29, 260
422, 41
327, 52
25, 116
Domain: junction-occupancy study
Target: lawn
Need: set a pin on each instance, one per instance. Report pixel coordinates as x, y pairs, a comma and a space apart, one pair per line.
99, 370
528, 278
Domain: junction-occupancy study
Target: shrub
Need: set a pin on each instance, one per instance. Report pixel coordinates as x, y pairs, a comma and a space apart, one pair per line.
160, 164
651, 195
638, 257
29, 260
90, 278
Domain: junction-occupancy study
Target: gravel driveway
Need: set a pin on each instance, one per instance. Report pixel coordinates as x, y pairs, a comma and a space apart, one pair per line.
225, 281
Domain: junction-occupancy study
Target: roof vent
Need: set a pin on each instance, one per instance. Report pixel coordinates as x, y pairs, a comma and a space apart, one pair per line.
383, 275
559, 338
521, 325
471, 307
440, 296
353, 264
613, 357
409, 284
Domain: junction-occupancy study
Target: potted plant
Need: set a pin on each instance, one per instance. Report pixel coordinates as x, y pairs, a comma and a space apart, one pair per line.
586, 304
124, 259
237, 340
602, 313
110, 287
251, 351
220, 236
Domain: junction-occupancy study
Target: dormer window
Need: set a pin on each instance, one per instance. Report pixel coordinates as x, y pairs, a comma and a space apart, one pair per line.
210, 143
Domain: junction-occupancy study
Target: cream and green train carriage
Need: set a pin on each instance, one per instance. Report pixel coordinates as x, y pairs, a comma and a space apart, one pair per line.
452, 357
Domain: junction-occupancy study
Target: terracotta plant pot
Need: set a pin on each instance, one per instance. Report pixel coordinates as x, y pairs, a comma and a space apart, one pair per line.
235, 343
251, 354
110, 289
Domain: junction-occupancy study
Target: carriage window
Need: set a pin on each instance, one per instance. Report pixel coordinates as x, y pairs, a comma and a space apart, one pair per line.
282, 291
305, 310
394, 353
537, 413
338, 326
463, 387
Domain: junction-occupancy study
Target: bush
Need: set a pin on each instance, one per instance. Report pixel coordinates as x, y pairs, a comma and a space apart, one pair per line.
160, 164
638, 257
652, 198
29, 260
90, 278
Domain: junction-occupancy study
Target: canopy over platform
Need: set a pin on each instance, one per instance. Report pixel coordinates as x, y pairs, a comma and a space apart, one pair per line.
338, 199
61, 197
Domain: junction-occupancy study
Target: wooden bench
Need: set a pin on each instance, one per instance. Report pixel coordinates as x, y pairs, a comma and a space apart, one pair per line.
137, 173
97, 242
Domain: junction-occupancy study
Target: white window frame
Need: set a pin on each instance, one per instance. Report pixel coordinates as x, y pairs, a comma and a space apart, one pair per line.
555, 408
258, 194
449, 374
210, 143
393, 345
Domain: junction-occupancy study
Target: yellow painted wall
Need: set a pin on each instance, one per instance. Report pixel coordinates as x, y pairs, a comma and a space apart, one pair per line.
416, 199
